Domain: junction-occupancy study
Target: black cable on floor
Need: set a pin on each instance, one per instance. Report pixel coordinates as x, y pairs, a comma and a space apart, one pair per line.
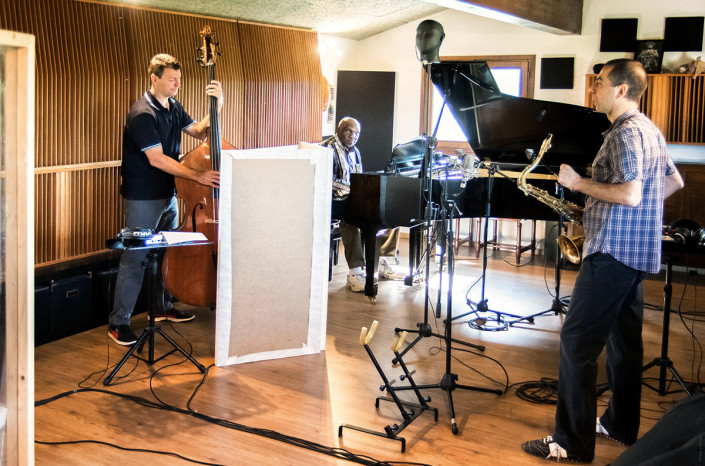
339, 453
139, 450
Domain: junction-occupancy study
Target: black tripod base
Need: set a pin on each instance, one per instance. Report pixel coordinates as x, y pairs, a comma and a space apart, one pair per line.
148, 336
448, 384
557, 307
663, 364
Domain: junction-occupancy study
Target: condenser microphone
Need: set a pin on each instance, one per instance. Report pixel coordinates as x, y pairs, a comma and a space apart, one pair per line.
469, 166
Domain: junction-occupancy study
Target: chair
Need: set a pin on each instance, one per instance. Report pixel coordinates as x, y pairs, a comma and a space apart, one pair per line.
492, 241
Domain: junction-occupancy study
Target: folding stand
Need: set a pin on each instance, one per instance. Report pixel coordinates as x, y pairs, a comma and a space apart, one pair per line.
393, 431
664, 362
447, 382
151, 264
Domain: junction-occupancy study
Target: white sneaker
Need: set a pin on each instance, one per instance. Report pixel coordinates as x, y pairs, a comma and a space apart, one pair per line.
386, 271
356, 282
602, 432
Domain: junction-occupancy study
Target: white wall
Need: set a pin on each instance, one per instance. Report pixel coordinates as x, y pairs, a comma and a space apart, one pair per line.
467, 34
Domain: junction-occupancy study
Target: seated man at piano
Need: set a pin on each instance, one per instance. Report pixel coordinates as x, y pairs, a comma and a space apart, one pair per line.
347, 160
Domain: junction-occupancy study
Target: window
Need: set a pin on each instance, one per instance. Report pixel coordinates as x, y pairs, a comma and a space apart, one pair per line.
514, 76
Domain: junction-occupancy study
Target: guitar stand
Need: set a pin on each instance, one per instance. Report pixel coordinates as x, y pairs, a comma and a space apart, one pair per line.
148, 334
448, 381
393, 431
664, 362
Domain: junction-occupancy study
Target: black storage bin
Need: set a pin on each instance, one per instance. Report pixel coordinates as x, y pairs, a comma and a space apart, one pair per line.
42, 305
103, 295
71, 302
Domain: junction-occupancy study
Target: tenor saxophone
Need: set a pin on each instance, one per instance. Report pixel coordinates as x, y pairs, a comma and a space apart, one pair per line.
570, 211
571, 247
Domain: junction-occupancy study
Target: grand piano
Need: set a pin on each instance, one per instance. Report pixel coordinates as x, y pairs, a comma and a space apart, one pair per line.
500, 129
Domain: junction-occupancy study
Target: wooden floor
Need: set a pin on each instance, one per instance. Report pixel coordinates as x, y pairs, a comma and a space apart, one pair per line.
308, 397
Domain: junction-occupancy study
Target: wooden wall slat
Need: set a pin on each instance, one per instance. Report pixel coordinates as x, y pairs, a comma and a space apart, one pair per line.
675, 103
92, 63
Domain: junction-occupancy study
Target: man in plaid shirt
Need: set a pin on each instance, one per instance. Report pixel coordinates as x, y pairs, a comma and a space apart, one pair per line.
631, 176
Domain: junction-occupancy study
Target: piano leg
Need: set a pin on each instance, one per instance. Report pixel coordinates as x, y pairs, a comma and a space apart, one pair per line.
369, 238
415, 241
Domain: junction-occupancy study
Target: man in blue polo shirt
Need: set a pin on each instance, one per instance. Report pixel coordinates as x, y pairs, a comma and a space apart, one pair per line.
150, 160
631, 176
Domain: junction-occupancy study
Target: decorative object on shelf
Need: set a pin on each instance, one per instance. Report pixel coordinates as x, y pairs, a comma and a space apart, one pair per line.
618, 34
650, 54
699, 67
692, 67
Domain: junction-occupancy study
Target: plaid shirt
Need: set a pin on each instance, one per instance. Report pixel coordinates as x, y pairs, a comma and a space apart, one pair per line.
633, 149
347, 160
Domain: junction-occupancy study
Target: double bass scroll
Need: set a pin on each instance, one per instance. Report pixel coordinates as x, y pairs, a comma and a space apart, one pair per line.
190, 273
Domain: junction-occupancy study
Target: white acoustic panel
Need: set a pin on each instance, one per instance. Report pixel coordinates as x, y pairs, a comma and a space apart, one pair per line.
274, 234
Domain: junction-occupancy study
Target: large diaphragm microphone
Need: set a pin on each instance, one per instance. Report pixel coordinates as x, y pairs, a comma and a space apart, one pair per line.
469, 167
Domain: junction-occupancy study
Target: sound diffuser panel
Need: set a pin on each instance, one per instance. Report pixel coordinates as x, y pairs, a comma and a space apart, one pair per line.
618, 34
683, 34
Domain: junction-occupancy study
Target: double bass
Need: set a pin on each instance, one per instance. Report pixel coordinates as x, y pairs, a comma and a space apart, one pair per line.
190, 273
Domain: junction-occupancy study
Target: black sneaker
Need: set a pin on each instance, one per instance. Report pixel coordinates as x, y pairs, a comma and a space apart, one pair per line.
548, 449
122, 334
174, 315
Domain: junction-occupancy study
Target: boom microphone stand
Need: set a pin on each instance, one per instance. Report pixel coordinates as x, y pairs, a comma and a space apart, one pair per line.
482, 306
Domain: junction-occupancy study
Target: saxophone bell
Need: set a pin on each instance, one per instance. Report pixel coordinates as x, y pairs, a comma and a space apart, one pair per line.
572, 248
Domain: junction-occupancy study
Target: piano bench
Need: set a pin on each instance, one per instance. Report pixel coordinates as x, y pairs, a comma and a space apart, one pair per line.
334, 247
492, 241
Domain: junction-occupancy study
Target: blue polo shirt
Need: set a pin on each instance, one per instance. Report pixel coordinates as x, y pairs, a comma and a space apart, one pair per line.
149, 124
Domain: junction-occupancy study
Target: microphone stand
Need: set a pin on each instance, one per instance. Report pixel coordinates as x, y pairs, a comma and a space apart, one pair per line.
557, 306
424, 328
482, 306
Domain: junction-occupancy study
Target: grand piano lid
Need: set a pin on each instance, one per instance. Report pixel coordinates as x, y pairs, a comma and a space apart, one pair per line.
501, 127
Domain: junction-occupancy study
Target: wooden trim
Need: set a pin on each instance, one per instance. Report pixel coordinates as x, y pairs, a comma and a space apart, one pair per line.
507, 60
19, 274
526, 62
77, 167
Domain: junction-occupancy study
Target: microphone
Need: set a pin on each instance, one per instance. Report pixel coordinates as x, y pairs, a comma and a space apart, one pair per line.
529, 154
469, 166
